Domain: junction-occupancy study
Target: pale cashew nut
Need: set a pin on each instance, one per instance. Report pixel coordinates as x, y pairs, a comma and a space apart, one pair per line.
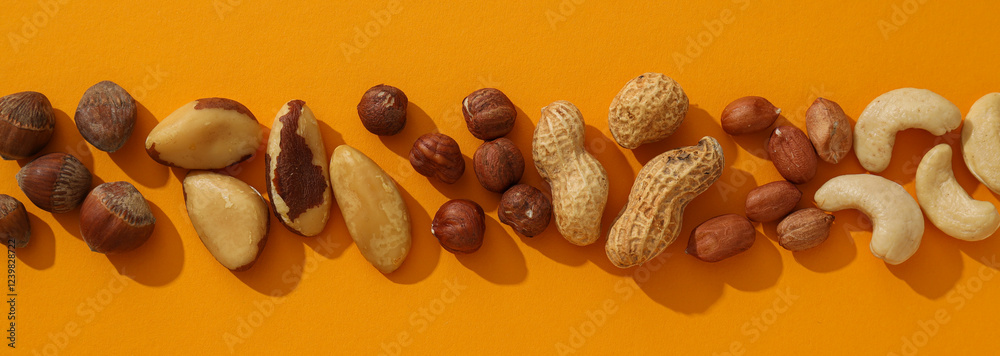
981, 141
947, 205
896, 217
897, 110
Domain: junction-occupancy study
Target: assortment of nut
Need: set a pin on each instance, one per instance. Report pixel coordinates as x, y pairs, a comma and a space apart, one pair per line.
233, 220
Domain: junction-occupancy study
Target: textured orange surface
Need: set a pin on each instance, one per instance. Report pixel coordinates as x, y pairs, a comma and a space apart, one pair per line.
516, 295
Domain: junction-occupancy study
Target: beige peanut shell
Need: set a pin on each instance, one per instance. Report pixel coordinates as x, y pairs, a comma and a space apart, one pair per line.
579, 182
648, 109
651, 220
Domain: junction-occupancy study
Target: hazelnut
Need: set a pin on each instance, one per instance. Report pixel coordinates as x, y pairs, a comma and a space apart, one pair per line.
26, 124
15, 229
106, 116
56, 182
748, 115
498, 164
459, 225
383, 110
115, 218
438, 155
489, 114
525, 209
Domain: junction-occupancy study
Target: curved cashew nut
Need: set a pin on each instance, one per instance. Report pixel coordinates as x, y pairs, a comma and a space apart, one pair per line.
898, 110
981, 141
947, 205
896, 217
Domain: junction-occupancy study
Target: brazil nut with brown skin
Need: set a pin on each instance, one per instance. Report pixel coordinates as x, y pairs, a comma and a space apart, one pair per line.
297, 171
211, 133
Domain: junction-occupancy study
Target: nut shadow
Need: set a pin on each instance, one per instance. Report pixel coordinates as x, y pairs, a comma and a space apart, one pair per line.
418, 123
134, 151
756, 143
158, 261
333, 241
697, 123
499, 260
839, 249
280, 267
425, 252
331, 137
75, 144
467, 183
40, 253
936, 267
909, 150
70, 220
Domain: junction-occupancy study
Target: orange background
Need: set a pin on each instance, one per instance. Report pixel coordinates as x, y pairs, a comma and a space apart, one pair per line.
516, 295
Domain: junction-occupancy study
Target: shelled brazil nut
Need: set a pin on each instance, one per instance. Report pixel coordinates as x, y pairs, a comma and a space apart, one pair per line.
297, 172
211, 133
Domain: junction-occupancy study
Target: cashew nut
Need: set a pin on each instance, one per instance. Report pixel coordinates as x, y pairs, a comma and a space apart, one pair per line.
898, 110
896, 217
981, 141
947, 205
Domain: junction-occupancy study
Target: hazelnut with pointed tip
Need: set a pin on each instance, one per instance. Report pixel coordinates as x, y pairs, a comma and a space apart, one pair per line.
116, 218
26, 124
56, 182
15, 229
106, 116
